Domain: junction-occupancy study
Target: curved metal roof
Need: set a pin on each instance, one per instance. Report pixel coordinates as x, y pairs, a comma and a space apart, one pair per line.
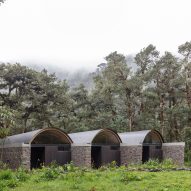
137, 137
88, 137
27, 138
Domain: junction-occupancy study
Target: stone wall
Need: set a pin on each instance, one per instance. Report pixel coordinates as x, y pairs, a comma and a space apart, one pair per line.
174, 151
26, 157
81, 155
16, 155
131, 154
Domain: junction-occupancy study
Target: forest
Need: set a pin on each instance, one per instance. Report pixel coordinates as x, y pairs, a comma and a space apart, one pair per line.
155, 95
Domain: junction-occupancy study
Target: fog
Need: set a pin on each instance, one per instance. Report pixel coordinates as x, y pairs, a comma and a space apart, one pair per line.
71, 35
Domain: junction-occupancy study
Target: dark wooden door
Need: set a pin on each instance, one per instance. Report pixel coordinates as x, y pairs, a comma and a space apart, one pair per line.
146, 154
96, 156
52, 154
109, 155
155, 153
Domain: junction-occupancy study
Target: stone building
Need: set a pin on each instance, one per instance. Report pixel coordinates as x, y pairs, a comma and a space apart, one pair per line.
35, 148
91, 148
95, 148
140, 146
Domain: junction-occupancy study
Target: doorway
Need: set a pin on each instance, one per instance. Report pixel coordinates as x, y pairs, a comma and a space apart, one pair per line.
153, 152
96, 156
37, 157
145, 156
46, 154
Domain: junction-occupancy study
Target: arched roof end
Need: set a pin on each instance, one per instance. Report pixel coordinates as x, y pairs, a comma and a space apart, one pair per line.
138, 137
88, 137
29, 137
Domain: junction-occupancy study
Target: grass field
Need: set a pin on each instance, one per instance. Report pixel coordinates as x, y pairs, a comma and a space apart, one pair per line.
113, 181
104, 179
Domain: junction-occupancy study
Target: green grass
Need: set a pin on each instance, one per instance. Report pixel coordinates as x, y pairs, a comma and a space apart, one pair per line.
70, 178
112, 181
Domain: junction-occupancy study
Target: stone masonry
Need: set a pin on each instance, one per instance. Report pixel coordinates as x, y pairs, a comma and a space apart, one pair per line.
16, 155
174, 151
81, 155
26, 157
131, 154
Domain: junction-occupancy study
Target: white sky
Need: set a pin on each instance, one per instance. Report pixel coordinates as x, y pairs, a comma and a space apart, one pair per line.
80, 33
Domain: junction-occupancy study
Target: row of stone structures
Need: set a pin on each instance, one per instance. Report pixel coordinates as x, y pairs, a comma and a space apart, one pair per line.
90, 148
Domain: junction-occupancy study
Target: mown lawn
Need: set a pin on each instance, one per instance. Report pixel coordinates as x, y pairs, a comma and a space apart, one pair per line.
111, 178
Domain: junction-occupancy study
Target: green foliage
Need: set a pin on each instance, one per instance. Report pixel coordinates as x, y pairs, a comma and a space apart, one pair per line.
115, 180
67, 177
7, 180
168, 164
70, 167
154, 165
22, 175
156, 95
51, 172
7, 120
129, 176
6, 175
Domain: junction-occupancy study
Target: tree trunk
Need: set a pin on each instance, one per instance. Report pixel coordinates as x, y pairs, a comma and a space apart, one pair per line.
162, 113
130, 116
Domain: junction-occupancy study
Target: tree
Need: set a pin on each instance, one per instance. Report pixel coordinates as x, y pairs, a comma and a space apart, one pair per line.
145, 60
82, 109
118, 90
185, 51
167, 87
7, 121
38, 97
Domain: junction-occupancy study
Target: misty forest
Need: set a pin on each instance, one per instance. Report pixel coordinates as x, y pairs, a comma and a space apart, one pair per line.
149, 90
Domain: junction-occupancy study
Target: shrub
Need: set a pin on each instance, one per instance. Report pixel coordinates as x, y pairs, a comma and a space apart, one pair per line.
6, 175
7, 179
152, 164
70, 167
112, 165
129, 176
49, 174
12, 183
2, 186
168, 164
22, 175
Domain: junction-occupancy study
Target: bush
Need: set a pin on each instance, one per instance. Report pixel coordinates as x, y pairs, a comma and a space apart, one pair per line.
51, 172
154, 165
70, 167
6, 175
2, 186
112, 165
22, 175
168, 164
7, 179
129, 176
12, 183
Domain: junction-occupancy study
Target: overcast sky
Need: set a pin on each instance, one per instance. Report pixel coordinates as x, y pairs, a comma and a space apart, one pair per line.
80, 33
